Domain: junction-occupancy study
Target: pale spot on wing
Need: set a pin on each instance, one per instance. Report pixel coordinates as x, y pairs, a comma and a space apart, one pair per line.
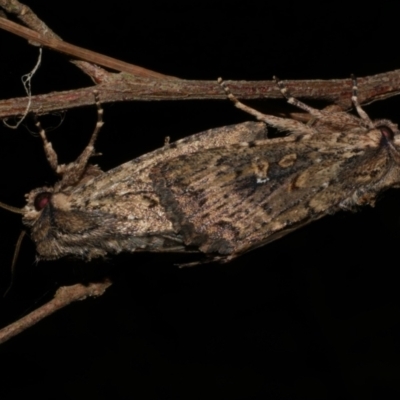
288, 160
261, 170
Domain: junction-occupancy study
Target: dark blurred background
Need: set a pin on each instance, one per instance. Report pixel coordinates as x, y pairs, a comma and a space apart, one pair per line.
315, 315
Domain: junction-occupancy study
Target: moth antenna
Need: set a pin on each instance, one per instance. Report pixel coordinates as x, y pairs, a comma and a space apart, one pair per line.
15, 210
354, 98
14, 262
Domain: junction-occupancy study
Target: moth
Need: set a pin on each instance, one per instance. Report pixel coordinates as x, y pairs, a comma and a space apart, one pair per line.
222, 192
90, 213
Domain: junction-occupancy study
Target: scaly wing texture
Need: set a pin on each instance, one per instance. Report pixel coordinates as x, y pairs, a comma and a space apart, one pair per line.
118, 210
127, 190
230, 200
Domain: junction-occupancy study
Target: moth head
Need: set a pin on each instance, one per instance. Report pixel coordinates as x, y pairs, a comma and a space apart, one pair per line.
389, 131
36, 200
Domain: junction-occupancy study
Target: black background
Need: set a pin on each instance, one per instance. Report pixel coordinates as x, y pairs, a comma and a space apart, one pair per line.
315, 315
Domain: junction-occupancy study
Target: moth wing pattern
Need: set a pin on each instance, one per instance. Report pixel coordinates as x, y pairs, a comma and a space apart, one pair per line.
128, 189
230, 200
137, 169
117, 210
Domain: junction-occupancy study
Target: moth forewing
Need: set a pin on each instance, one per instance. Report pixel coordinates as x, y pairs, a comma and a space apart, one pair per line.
247, 196
117, 210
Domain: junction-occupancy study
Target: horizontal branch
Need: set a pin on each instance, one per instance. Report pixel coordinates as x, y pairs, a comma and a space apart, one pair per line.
124, 87
139, 84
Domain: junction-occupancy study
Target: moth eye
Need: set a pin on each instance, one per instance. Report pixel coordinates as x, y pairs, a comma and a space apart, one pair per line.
41, 200
386, 132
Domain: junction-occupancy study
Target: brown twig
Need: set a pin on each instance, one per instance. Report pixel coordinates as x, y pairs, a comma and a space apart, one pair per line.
78, 52
41, 34
125, 87
28, 17
64, 296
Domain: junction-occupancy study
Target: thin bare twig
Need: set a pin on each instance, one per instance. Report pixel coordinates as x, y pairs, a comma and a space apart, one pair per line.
28, 17
40, 33
64, 296
78, 52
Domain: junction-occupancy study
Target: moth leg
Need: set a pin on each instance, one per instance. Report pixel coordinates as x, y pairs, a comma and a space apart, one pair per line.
82, 160
297, 103
354, 98
51, 155
283, 124
73, 172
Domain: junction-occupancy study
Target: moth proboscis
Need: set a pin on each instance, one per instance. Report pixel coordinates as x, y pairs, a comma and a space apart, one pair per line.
221, 192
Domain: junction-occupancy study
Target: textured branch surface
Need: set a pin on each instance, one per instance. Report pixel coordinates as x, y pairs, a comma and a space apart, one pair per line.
124, 87
64, 296
137, 83
41, 34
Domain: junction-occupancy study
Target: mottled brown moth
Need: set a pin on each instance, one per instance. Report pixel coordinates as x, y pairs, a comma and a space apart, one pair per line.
221, 192
89, 213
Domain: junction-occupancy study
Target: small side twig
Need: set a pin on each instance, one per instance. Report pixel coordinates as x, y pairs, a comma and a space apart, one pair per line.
78, 52
64, 296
